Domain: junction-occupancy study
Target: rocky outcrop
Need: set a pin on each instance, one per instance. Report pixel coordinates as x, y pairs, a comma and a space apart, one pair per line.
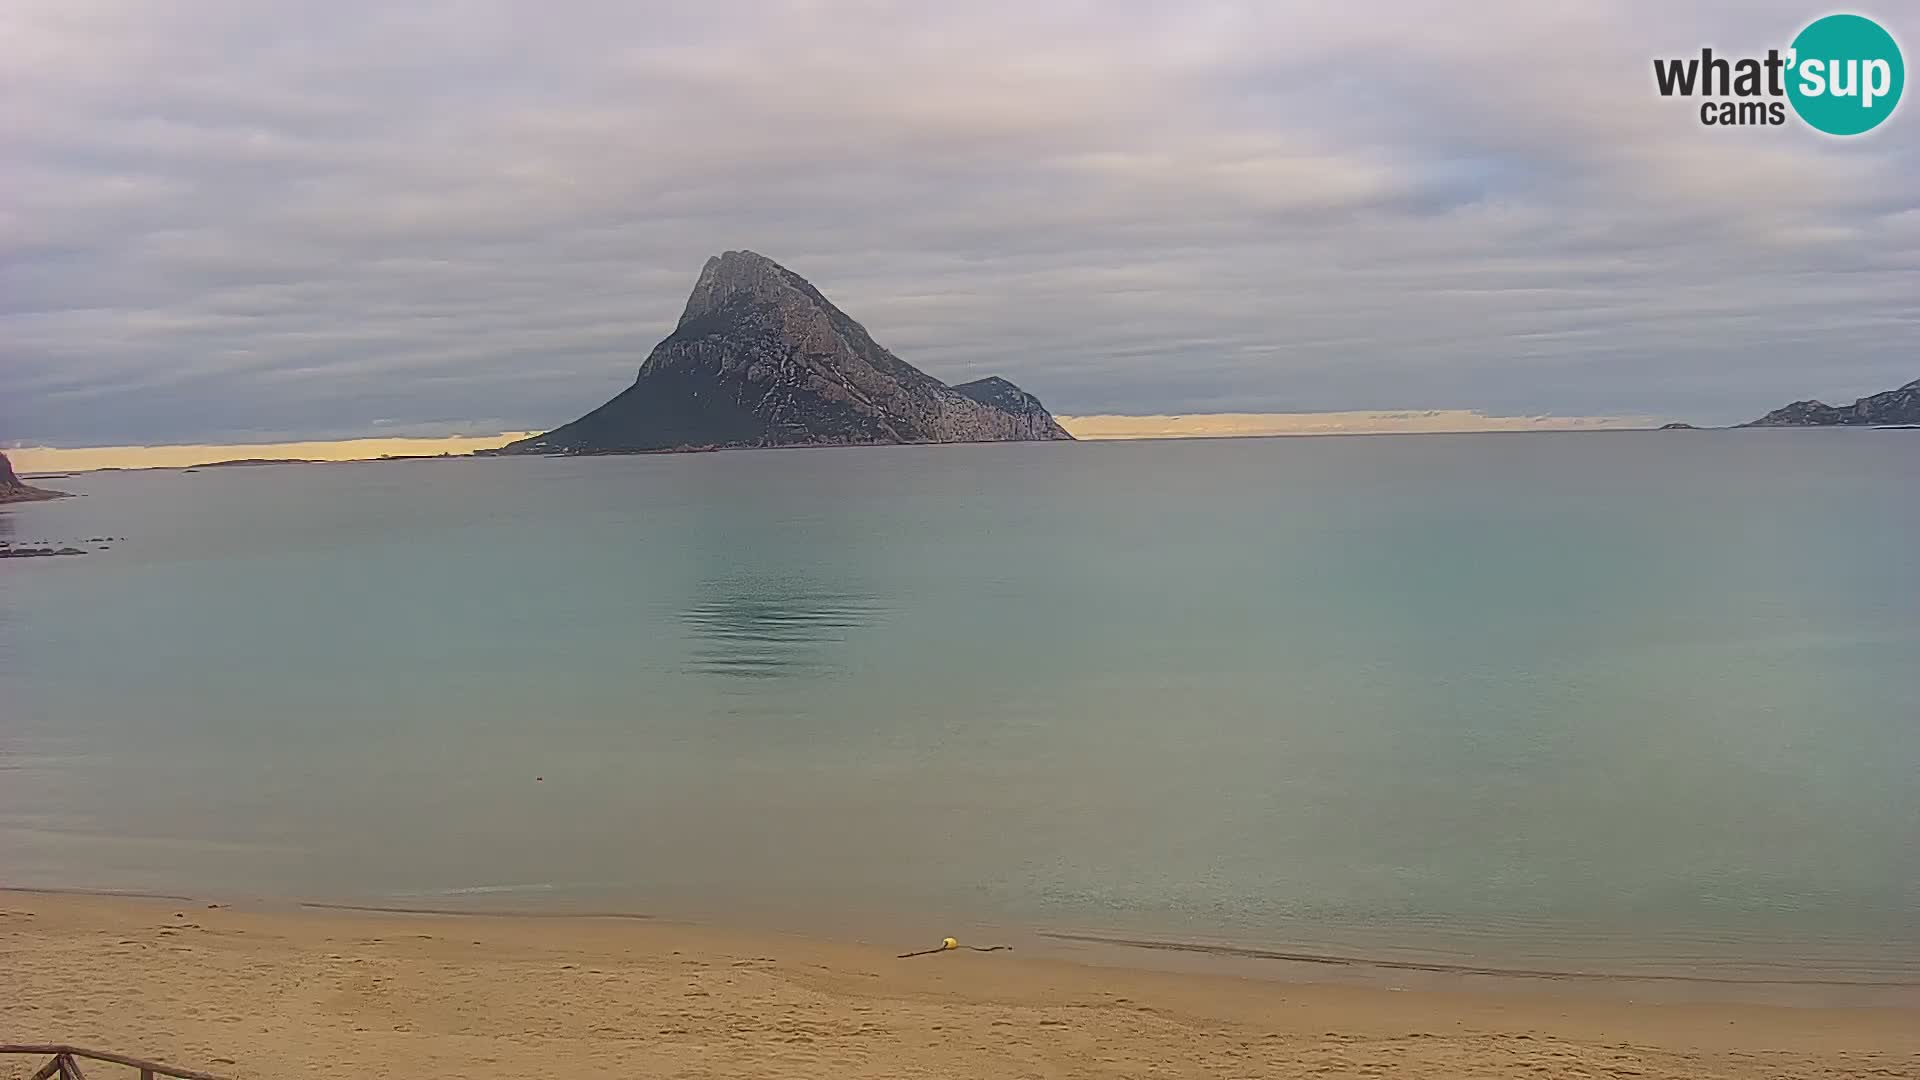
761, 358
1890, 408
13, 489
8, 551
997, 393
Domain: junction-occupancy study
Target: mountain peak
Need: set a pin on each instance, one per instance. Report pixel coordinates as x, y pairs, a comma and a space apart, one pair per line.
734, 274
738, 266
761, 358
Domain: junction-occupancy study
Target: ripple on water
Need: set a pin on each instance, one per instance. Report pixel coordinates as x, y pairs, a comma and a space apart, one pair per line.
774, 628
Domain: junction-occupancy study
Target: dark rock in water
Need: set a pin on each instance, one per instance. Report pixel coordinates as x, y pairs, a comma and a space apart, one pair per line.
760, 358
12, 489
37, 552
1678, 427
1890, 408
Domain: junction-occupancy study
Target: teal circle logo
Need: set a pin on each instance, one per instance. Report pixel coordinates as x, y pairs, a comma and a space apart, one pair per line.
1846, 74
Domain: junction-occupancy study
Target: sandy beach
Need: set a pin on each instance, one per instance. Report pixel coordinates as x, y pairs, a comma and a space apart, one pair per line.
308, 992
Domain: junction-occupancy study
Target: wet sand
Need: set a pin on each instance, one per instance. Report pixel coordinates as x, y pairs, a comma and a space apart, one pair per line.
312, 992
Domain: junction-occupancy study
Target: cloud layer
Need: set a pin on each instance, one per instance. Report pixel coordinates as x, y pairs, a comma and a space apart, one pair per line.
223, 220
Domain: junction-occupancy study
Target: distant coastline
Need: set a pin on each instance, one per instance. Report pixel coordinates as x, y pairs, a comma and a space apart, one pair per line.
44, 459
1087, 427
1091, 428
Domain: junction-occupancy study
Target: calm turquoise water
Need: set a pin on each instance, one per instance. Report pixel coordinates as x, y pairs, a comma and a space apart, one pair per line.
1594, 701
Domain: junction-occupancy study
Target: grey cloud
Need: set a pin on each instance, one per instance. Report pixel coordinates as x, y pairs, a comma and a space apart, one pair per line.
225, 220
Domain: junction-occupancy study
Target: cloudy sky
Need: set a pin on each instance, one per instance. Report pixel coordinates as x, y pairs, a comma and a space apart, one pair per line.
233, 220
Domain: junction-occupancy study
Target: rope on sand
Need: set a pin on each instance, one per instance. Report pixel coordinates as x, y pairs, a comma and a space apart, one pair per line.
949, 945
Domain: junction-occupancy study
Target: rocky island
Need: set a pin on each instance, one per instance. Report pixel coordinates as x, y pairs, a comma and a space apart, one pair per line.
1891, 408
14, 490
761, 358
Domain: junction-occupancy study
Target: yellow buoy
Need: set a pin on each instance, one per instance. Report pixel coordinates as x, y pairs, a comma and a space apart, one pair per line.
950, 943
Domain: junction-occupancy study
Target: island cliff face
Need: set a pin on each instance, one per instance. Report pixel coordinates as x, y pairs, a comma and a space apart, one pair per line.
13, 490
760, 358
1900, 406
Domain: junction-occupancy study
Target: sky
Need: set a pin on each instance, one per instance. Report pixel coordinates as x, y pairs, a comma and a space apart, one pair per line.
227, 221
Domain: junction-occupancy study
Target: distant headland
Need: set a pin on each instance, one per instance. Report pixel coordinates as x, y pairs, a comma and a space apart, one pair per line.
1890, 408
15, 490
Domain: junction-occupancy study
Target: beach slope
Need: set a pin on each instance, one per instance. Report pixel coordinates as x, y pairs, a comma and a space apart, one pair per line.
296, 993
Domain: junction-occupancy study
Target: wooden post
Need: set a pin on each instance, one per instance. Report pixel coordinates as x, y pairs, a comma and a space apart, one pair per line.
64, 1062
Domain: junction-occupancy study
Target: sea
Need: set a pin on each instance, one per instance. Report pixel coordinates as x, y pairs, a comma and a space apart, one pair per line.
1579, 705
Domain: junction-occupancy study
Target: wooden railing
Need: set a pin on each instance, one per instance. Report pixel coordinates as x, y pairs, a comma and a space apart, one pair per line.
65, 1063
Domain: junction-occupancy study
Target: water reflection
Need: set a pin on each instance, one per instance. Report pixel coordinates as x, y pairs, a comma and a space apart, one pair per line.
761, 627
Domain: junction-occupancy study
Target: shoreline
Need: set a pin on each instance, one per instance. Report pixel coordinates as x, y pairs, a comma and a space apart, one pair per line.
242, 992
1183, 437
1399, 966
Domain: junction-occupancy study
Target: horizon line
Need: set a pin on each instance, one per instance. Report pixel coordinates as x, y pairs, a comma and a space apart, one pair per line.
1090, 427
